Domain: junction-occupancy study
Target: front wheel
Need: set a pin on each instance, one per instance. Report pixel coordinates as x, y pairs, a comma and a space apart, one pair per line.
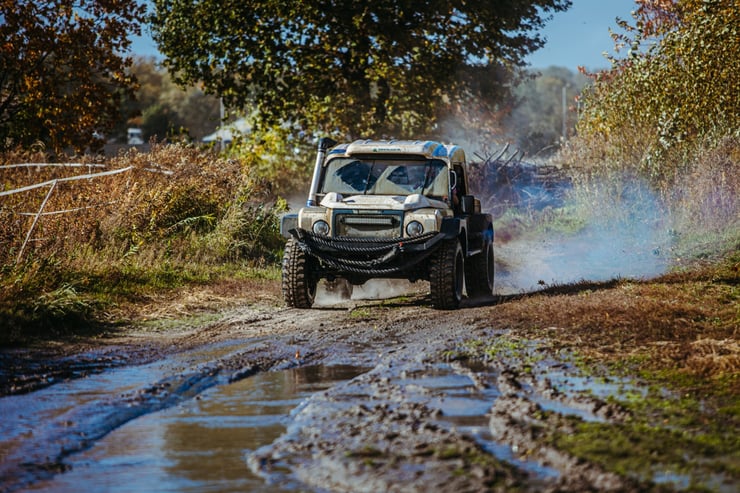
447, 275
479, 272
299, 282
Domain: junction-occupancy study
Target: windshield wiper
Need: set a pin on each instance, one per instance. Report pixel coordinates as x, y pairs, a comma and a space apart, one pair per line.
367, 179
427, 175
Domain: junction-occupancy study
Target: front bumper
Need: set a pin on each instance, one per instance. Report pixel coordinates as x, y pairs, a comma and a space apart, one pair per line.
365, 258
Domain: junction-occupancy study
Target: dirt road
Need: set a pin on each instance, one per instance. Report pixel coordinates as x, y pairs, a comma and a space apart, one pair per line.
427, 400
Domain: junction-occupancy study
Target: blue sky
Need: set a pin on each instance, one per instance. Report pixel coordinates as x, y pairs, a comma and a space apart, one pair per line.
580, 35
576, 37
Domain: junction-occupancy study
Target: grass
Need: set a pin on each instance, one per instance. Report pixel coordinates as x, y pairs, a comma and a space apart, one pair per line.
679, 335
680, 431
658, 323
672, 345
361, 313
181, 217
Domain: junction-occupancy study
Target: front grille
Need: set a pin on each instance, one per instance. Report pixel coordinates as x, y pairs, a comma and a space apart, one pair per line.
368, 225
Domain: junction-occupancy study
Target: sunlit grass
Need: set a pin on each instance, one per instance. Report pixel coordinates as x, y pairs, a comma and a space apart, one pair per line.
180, 217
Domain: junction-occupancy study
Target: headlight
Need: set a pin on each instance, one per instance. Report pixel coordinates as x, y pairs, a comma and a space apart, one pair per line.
414, 228
321, 228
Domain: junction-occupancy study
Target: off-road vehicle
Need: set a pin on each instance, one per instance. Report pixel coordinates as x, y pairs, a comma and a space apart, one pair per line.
395, 209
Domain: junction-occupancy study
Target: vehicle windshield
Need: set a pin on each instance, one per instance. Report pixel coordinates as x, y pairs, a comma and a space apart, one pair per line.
352, 176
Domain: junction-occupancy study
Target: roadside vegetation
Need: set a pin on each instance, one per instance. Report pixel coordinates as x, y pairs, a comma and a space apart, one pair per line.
189, 216
665, 117
176, 216
665, 350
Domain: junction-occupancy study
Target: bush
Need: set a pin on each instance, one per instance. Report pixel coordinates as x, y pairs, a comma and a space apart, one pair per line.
656, 112
176, 211
668, 116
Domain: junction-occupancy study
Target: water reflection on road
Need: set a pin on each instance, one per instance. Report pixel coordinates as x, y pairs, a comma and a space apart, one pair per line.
200, 444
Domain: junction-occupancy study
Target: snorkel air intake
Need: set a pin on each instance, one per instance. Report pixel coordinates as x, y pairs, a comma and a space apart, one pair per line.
325, 144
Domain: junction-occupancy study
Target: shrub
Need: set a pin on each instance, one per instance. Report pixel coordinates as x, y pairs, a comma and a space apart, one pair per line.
174, 211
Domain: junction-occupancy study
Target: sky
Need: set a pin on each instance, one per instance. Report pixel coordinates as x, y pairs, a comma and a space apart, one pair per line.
577, 37
580, 35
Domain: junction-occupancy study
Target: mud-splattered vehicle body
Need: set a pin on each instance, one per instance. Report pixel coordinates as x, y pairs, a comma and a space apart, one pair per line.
393, 210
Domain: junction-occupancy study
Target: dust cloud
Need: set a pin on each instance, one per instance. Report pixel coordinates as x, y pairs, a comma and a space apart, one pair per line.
622, 232
374, 289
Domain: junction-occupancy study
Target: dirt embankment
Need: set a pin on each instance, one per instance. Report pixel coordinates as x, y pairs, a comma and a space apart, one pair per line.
573, 376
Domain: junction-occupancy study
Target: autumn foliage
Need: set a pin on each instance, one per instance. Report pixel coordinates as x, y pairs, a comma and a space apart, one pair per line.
667, 114
62, 70
675, 93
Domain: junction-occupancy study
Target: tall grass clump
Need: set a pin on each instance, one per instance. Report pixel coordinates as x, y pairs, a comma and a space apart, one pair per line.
175, 215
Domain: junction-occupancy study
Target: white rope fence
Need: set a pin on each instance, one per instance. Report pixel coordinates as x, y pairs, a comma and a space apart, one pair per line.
52, 165
69, 178
52, 185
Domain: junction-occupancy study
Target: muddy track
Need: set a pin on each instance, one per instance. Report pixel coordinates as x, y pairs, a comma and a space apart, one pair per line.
415, 419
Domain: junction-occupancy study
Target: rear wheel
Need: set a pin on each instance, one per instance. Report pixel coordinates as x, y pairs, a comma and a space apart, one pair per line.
447, 275
299, 282
479, 272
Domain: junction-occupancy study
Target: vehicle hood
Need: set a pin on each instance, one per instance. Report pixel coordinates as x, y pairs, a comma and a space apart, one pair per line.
334, 200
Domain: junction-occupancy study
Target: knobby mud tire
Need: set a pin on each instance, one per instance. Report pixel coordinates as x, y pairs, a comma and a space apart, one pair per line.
447, 275
298, 282
479, 272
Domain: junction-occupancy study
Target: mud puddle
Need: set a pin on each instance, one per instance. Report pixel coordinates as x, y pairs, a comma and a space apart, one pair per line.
405, 427
198, 445
40, 413
413, 425
463, 396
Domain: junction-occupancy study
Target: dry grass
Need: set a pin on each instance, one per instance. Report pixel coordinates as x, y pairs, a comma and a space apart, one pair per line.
172, 189
175, 217
699, 199
688, 322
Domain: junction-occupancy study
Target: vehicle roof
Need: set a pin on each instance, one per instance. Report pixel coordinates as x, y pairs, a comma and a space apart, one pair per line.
428, 149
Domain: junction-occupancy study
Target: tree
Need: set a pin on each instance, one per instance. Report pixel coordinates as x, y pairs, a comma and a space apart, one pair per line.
163, 109
676, 90
62, 72
535, 124
347, 66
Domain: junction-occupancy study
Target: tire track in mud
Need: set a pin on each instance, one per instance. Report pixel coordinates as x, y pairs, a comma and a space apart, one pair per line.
173, 369
398, 428
34, 446
414, 422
